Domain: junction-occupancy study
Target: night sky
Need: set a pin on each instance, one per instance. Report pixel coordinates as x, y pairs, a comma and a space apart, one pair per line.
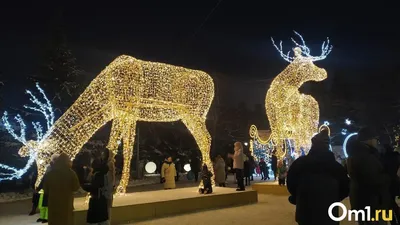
233, 44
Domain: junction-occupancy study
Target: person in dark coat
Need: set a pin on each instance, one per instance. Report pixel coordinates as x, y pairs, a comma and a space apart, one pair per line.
206, 178
178, 167
391, 162
263, 169
98, 206
369, 184
315, 181
252, 167
246, 171
274, 165
195, 167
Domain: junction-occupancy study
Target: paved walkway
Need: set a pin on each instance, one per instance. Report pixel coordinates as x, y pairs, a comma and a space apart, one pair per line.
16, 213
271, 210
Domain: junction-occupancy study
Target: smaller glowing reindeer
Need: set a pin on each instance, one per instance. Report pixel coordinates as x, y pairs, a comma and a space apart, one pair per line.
291, 114
29, 147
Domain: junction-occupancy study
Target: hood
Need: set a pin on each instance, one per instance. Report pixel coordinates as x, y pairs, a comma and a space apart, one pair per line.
322, 153
62, 161
356, 147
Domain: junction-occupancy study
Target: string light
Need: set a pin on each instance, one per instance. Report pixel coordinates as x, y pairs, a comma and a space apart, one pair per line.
29, 147
130, 90
305, 51
345, 143
348, 122
266, 146
292, 115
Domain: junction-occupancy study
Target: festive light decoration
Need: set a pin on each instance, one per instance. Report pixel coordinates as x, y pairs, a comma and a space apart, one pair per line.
150, 167
345, 143
30, 147
325, 126
304, 50
187, 167
348, 122
261, 148
292, 115
127, 91
344, 131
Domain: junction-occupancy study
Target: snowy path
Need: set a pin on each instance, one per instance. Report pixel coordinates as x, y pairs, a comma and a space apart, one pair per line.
271, 210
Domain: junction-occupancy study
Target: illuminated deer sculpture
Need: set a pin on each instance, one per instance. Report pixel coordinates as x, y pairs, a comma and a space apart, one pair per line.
291, 114
127, 91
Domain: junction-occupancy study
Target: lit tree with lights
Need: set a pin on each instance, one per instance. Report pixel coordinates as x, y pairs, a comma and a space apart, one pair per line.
28, 149
59, 71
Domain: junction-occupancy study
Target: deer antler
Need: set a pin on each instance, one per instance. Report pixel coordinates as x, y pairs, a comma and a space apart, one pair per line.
305, 51
29, 146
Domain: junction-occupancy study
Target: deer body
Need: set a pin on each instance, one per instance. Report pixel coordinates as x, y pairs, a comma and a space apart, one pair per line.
127, 91
293, 115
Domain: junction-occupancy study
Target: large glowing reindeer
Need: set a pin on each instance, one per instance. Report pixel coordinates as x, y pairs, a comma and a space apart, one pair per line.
293, 115
127, 91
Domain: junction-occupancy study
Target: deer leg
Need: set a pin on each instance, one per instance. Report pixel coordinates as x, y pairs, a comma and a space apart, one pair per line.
41, 169
197, 127
128, 142
115, 135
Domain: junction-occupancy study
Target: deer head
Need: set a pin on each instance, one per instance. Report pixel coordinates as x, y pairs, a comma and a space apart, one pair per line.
29, 148
301, 64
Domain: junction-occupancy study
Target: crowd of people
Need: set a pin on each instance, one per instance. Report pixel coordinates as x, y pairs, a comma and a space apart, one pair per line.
369, 177
55, 195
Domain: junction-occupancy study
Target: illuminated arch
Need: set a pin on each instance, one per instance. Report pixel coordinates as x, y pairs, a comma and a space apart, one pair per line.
345, 143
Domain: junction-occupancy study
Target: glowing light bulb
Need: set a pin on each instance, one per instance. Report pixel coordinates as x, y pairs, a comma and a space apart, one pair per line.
348, 122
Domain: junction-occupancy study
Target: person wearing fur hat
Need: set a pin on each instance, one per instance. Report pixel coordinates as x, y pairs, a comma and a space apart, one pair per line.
369, 185
315, 181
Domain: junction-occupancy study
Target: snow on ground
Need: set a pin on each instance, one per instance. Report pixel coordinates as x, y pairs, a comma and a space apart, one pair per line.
271, 210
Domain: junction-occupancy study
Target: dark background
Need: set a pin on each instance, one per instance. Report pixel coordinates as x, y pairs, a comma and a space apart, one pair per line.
228, 39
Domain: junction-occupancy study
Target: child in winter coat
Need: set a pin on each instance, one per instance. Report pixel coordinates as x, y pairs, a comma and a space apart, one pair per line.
282, 172
98, 205
206, 178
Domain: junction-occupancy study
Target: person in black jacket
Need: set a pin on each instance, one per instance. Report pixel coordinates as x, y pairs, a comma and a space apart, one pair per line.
274, 164
391, 162
263, 169
98, 207
195, 166
369, 184
246, 171
315, 181
206, 178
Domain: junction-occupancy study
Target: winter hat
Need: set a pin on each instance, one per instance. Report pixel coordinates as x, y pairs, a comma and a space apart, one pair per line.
322, 138
367, 133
